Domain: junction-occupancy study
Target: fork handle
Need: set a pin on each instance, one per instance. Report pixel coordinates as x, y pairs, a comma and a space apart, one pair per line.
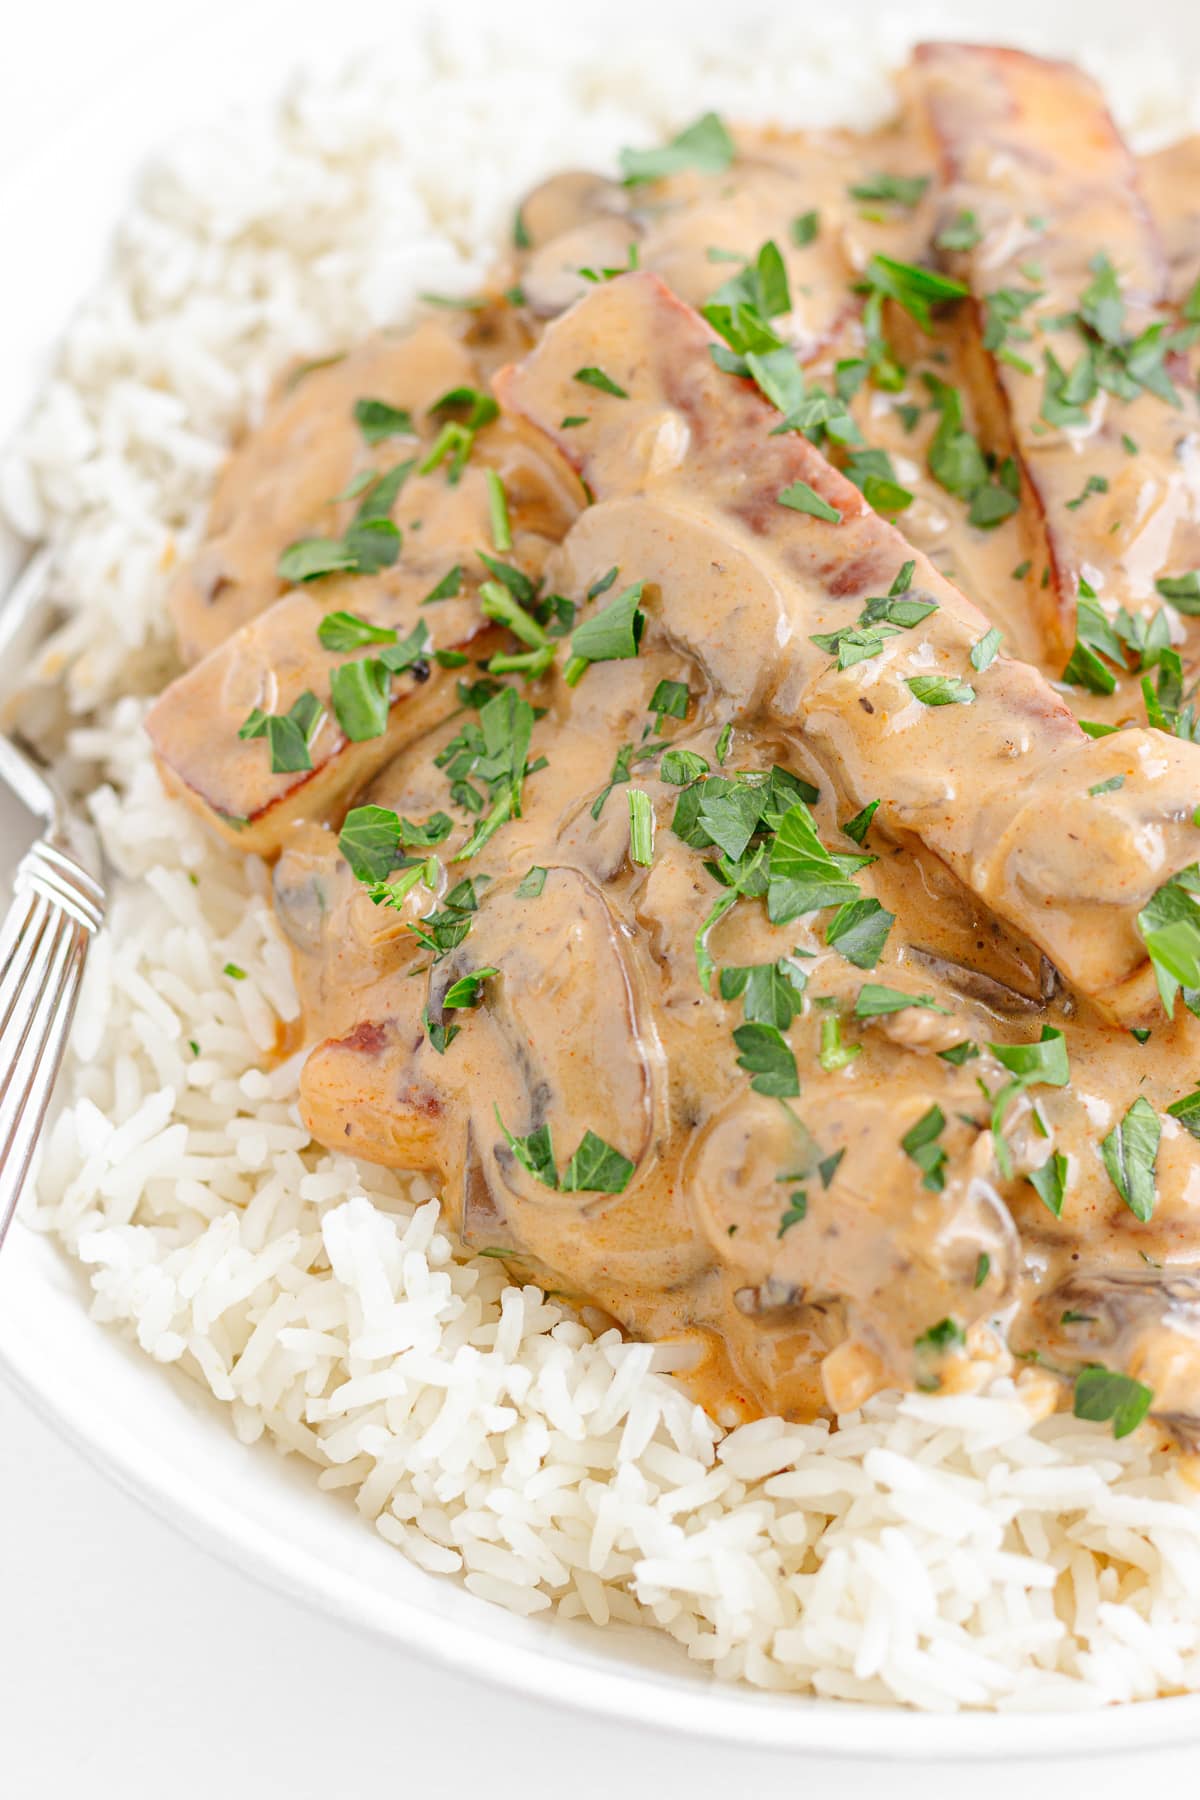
57, 908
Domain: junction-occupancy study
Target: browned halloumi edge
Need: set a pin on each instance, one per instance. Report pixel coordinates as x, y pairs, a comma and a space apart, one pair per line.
1029, 153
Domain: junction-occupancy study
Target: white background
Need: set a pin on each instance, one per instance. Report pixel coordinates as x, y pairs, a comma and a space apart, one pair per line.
133, 1665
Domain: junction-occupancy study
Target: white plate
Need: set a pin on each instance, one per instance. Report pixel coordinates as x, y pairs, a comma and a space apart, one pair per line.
153, 1432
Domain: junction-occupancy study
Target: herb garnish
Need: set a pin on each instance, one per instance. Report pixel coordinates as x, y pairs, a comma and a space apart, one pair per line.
920, 1143
641, 827
1102, 1394
604, 384
289, 735
1043, 1061
704, 145
771, 993
940, 690
1170, 927
859, 930
1129, 1153
611, 635
805, 499
904, 190
875, 1001
595, 1167
1050, 1182
768, 1057
378, 419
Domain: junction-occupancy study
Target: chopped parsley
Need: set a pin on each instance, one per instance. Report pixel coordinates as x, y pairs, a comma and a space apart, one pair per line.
705, 146
289, 735
1129, 1153
468, 989
875, 1001
833, 1054
611, 635
765, 1053
1102, 1394
378, 419
856, 828
805, 499
962, 233
604, 384
771, 993
940, 690
595, 1167
984, 653
902, 190
859, 930
920, 1144
641, 827
1050, 1182
1170, 927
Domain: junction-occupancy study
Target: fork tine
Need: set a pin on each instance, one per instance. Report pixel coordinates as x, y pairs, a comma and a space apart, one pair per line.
39, 975
43, 944
21, 1123
32, 924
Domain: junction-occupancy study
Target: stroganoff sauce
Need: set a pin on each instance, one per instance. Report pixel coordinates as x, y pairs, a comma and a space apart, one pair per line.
667, 734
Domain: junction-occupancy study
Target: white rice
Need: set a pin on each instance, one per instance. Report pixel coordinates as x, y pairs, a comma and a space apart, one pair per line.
932, 1552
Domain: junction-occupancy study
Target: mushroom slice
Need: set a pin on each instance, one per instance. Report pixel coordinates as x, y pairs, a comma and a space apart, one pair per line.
973, 984
557, 1041
865, 1239
1145, 1322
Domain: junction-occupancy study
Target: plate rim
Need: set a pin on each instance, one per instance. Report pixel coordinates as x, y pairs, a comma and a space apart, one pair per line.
706, 1709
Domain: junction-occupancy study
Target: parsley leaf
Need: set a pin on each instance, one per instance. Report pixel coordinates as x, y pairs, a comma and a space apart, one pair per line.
596, 1168
704, 145
1170, 927
771, 993
805, 499
1050, 1182
904, 190
611, 635
856, 828
531, 883
361, 695
1129, 1153
859, 930
1102, 1394
1183, 591
962, 233
468, 989
940, 690
920, 1143
766, 1054
346, 631
913, 288
641, 827
875, 1002
377, 419
803, 874
983, 654
604, 384
289, 735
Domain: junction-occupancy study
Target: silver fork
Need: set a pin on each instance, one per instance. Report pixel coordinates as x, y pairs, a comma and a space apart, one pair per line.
57, 907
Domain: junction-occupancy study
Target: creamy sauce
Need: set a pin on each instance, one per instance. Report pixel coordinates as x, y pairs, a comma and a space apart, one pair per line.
790, 1237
